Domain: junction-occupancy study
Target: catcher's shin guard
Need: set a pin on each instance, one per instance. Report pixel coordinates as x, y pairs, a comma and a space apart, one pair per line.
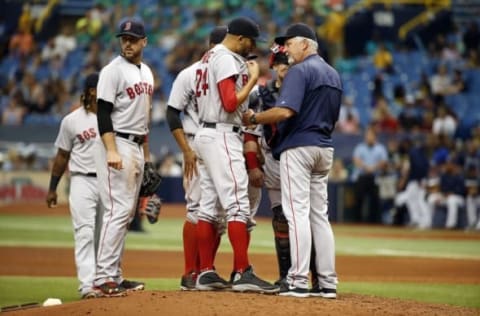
282, 242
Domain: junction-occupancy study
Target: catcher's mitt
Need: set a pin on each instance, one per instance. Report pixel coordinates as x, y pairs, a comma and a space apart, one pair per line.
151, 180
152, 209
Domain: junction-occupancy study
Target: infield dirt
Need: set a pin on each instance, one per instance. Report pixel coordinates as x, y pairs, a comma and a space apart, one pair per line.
151, 264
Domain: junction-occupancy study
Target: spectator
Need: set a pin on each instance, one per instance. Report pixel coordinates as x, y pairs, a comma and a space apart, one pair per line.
441, 82
338, 173
458, 82
471, 38
444, 123
413, 178
451, 192
383, 59
369, 158
409, 117
472, 200
22, 42
349, 118
14, 112
383, 120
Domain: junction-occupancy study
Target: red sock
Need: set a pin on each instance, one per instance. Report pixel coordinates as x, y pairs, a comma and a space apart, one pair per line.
206, 234
238, 235
190, 247
216, 245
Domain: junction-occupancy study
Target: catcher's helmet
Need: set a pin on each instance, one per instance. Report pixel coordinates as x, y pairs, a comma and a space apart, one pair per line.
278, 55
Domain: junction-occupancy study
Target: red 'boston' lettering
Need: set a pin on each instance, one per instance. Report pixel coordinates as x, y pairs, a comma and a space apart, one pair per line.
138, 89
131, 93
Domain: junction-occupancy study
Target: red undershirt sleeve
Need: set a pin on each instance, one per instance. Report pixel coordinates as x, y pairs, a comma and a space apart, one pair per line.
228, 94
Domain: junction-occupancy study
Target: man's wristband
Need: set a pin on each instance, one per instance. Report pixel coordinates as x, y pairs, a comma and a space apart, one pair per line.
253, 119
54, 180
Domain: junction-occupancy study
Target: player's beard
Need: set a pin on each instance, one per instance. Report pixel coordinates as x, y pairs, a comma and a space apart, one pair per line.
131, 55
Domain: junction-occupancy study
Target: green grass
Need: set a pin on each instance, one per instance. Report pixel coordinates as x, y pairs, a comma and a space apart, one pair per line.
453, 294
21, 290
56, 231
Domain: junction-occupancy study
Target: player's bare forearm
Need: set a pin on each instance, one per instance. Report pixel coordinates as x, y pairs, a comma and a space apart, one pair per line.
146, 150
243, 93
189, 156
59, 166
254, 72
273, 115
60, 162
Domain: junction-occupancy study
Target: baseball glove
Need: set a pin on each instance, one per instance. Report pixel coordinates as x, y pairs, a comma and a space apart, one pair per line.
152, 209
151, 180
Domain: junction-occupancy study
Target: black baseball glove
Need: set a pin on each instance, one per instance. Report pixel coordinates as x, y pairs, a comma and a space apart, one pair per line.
151, 180
152, 210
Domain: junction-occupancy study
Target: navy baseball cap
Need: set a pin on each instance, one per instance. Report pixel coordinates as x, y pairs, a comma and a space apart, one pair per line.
244, 26
218, 34
91, 81
133, 28
294, 30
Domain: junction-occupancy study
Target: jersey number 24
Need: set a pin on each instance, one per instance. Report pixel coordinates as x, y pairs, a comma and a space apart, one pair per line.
201, 82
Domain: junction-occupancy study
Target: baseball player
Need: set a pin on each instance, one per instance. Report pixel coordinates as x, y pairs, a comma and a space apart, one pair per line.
124, 94
182, 99
261, 139
305, 112
75, 143
224, 79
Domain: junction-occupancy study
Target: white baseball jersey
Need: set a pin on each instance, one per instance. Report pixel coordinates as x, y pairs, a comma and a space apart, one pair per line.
182, 98
129, 87
216, 65
77, 134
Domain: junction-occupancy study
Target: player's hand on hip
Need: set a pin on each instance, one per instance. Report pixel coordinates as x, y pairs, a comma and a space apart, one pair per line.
253, 69
51, 199
114, 160
190, 164
256, 177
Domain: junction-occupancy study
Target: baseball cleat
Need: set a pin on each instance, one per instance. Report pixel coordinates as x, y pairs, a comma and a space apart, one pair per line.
187, 283
247, 281
90, 294
210, 281
316, 291
132, 286
295, 292
110, 289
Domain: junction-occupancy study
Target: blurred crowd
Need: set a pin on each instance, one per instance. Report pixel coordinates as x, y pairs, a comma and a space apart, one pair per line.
390, 91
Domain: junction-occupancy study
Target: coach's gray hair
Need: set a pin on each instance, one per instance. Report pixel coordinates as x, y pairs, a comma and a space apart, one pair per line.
312, 45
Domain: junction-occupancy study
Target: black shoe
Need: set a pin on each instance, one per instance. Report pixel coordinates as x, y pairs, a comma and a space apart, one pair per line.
110, 289
210, 281
325, 293
187, 283
294, 291
132, 285
247, 281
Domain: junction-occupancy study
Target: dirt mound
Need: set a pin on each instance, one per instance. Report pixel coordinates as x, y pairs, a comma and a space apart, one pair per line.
243, 304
